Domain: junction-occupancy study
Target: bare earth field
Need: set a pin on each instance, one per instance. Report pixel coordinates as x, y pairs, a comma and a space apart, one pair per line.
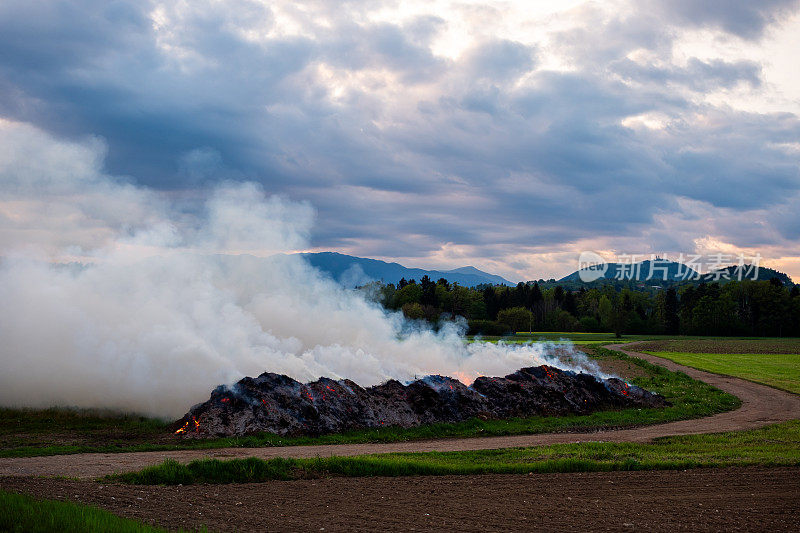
748, 499
722, 346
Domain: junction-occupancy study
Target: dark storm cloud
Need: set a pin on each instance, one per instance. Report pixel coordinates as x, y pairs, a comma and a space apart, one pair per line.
697, 75
784, 217
384, 46
500, 60
398, 148
90, 74
737, 160
745, 18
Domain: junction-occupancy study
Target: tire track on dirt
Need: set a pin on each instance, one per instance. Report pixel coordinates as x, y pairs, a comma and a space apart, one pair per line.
761, 405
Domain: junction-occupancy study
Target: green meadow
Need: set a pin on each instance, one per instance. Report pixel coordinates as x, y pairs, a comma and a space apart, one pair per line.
773, 362
781, 371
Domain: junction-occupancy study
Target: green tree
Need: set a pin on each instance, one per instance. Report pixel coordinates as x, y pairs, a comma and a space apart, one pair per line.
413, 311
561, 320
606, 311
411, 293
589, 324
428, 291
517, 318
623, 309
671, 322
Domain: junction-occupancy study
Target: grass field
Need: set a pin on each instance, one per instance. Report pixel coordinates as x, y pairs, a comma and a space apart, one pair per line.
775, 445
773, 362
690, 399
781, 371
22, 513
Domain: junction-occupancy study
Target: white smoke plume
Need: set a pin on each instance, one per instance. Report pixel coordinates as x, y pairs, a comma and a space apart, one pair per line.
167, 303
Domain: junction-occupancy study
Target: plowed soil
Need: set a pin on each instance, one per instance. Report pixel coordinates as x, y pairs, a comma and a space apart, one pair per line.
751, 499
765, 346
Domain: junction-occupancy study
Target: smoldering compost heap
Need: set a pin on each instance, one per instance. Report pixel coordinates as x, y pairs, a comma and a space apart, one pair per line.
278, 404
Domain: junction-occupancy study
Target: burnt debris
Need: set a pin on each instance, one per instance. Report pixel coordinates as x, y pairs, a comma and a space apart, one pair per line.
278, 404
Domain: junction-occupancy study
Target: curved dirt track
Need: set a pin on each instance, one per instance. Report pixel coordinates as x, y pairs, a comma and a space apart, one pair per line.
761, 405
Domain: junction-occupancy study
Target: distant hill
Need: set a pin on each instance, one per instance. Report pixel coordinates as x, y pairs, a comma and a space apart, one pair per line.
661, 271
732, 272
352, 271
676, 272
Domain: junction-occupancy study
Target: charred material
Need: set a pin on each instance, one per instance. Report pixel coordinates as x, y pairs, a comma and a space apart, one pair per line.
279, 404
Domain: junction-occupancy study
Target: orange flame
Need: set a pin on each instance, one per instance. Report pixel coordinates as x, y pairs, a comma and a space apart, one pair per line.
464, 378
185, 427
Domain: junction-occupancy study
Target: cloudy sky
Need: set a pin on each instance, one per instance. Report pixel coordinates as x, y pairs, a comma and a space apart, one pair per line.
506, 135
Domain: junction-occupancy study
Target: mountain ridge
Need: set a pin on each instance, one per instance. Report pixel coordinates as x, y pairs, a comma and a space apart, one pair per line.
679, 272
644, 270
353, 270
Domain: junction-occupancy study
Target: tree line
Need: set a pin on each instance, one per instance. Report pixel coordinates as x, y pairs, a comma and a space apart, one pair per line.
733, 308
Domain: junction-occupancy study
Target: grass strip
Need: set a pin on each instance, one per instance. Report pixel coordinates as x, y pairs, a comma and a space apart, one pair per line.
19, 512
690, 399
774, 445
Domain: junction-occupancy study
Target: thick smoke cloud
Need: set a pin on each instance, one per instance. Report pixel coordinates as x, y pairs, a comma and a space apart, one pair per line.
173, 301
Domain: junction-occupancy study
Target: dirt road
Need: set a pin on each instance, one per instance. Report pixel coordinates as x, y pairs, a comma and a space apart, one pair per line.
761, 405
720, 499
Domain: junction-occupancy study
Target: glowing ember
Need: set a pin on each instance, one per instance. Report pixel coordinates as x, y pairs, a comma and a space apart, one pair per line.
185, 427
465, 378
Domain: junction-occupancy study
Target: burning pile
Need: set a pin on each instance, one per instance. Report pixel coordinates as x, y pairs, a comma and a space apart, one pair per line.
278, 404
